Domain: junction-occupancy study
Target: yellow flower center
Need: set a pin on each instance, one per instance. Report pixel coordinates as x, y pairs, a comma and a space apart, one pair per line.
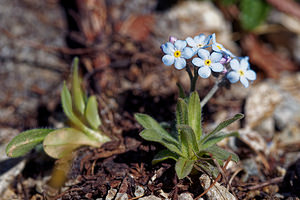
177, 54
199, 45
219, 47
241, 72
207, 62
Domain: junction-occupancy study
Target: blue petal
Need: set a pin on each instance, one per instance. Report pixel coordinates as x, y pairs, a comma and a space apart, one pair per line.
245, 64
190, 42
168, 48
203, 54
216, 67
244, 81
187, 53
234, 64
213, 38
216, 57
233, 77
207, 40
250, 74
215, 48
180, 44
180, 63
198, 62
204, 72
168, 60
199, 39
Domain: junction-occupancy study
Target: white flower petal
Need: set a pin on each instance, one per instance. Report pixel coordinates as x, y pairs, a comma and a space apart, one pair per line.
216, 48
180, 44
190, 42
168, 60
245, 63
216, 57
216, 67
187, 53
234, 64
180, 63
199, 39
250, 74
244, 81
203, 54
168, 48
233, 77
204, 72
198, 62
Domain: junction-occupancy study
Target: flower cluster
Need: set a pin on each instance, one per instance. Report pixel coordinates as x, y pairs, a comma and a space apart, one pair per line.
218, 59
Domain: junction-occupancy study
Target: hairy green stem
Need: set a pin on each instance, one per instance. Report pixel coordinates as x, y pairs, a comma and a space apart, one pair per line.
193, 77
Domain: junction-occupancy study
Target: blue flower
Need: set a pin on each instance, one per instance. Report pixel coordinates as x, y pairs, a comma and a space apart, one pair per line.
217, 47
208, 62
199, 42
241, 71
176, 53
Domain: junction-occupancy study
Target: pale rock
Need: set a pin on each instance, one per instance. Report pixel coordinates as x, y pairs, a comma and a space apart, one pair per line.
217, 191
185, 196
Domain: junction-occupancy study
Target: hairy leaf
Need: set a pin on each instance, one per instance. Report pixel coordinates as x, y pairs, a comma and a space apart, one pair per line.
216, 138
181, 91
91, 113
155, 136
223, 125
25, 141
188, 140
221, 154
181, 112
149, 123
164, 155
62, 142
194, 115
253, 13
183, 167
77, 92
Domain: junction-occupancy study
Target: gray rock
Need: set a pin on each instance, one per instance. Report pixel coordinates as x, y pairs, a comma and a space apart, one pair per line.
151, 197
111, 194
121, 196
139, 191
185, 196
217, 191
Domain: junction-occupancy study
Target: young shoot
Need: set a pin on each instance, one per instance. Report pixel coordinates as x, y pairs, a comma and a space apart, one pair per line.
83, 117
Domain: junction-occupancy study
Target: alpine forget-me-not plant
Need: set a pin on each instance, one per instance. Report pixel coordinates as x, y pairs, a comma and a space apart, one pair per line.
186, 142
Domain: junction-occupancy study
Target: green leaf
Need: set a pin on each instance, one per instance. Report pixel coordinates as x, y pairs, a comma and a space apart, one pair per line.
155, 136
66, 101
164, 155
149, 123
67, 107
91, 113
183, 167
253, 13
181, 91
221, 154
25, 141
208, 168
216, 138
181, 112
222, 125
63, 142
194, 115
188, 141
77, 92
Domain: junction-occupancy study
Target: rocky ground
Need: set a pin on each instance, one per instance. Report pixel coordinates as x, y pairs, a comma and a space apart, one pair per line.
122, 65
